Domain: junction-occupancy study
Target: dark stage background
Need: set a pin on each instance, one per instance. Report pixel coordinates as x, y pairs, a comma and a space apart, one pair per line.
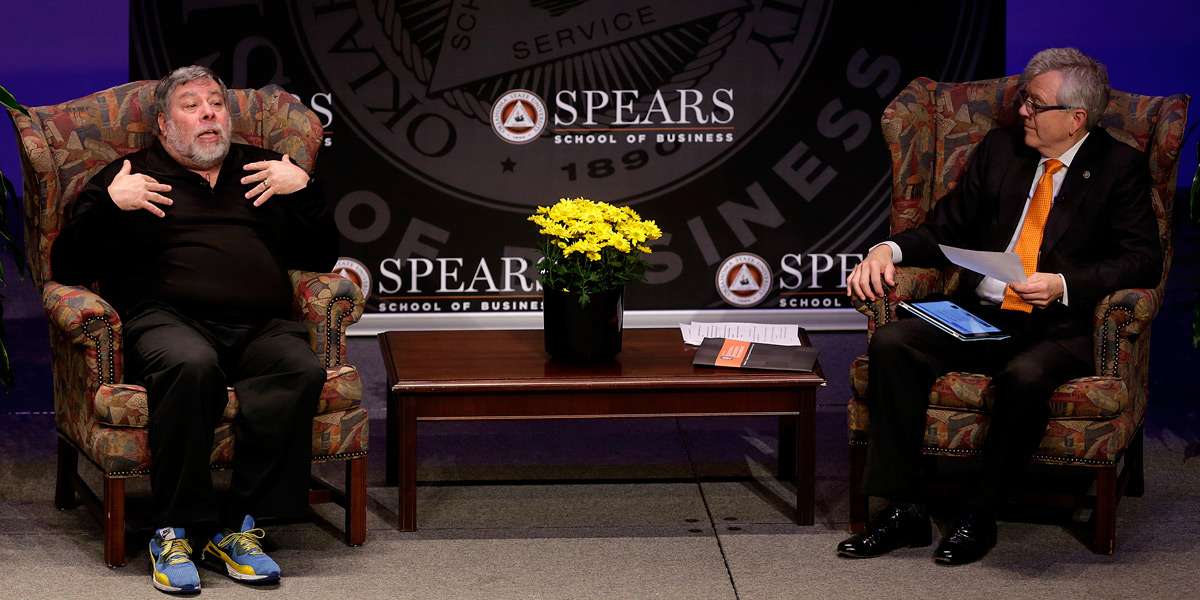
432, 165
798, 180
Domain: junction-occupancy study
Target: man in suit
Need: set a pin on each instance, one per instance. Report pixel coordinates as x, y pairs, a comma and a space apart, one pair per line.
1075, 204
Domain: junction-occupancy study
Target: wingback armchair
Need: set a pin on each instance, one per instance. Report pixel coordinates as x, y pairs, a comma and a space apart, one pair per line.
98, 412
931, 129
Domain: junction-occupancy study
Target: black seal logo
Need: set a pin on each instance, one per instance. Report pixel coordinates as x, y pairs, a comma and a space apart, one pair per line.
652, 93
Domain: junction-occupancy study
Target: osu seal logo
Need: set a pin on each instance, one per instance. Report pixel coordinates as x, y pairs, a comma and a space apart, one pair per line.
744, 279
354, 271
642, 97
689, 106
519, 116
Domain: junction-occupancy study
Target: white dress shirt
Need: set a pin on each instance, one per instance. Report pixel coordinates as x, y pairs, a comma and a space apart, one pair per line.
990, 289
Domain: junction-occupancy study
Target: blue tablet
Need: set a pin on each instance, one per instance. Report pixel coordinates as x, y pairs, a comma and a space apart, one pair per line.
955, 320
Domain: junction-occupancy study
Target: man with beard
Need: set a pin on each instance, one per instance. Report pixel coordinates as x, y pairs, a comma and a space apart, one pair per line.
190, 240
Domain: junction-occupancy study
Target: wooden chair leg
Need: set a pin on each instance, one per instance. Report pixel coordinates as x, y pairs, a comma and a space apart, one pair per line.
859, 503
68, 465
1135, 467
1106, 510
356, 501
114, 521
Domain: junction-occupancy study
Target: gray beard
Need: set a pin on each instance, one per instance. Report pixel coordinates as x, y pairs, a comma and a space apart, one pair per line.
191, 154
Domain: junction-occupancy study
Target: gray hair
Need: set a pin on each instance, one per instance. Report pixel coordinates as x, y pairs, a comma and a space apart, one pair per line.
176, 78
1084, 80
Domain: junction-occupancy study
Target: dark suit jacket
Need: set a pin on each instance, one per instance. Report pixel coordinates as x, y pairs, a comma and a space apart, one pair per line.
1101, 235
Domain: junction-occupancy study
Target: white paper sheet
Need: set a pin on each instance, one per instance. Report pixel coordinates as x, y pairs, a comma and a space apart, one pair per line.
782, 335
1005, 266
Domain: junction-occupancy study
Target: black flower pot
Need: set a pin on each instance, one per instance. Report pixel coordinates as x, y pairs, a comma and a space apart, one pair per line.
582, 334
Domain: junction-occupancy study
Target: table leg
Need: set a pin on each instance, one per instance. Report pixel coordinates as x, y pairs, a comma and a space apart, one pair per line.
406, 463
806, 452
786, 464
391, 448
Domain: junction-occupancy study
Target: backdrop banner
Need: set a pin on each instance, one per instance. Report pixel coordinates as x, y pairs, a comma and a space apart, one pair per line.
748, 130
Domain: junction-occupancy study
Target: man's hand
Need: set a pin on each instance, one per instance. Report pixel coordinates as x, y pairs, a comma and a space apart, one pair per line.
1040, 290
274, 177
137, 191
867, 280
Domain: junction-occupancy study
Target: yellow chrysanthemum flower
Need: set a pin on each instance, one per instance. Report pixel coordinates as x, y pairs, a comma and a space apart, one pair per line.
591, 246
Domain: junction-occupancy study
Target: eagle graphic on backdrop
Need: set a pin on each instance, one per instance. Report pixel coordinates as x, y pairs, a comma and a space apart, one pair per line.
677, 55
556, 7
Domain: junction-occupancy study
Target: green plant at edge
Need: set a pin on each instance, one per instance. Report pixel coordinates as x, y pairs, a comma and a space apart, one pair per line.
10, 196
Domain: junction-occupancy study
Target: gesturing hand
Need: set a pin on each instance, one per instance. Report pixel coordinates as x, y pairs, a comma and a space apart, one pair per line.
274, 177
138, 191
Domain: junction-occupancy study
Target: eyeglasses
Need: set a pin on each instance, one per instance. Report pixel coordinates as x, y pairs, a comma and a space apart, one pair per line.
1034, 108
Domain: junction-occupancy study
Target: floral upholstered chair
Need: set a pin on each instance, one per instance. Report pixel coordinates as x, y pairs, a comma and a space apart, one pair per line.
100, 414
1096, 422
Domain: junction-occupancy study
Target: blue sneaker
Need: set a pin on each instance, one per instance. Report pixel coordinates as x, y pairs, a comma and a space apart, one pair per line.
241, 555
171, 562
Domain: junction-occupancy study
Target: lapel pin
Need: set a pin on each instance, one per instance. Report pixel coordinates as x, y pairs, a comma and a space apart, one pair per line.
1087, 174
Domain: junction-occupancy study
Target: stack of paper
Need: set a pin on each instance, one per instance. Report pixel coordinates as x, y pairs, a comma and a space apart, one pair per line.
781, 335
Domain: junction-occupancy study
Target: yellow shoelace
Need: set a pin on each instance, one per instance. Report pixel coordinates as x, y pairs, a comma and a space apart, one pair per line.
177, 551
246, 542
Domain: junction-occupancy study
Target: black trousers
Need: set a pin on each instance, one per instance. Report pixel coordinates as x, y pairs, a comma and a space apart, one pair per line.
186, 365
908, 355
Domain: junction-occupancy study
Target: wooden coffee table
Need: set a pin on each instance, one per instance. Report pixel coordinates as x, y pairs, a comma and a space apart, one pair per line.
475, 375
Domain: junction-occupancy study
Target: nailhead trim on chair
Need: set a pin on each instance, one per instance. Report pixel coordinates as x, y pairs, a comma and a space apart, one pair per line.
334, 330
126, 474
1091, 462
344, 456
1104, 346
227, 466
107, 359
1040, 458
887, 309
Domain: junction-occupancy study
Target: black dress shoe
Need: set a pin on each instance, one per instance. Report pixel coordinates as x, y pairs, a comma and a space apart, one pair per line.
969, 541
892, 528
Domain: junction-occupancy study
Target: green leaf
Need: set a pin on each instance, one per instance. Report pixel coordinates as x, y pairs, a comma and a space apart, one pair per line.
10, 195
8, 100
6, 374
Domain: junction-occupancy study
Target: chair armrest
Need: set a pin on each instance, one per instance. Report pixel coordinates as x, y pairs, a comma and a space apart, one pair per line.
912, 283
1120, 320
89, 323
327, 304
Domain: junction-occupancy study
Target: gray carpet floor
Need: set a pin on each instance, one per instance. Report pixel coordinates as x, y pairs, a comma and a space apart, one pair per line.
638, 508
616, 509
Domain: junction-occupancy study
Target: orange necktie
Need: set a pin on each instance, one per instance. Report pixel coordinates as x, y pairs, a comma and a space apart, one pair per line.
1030, 240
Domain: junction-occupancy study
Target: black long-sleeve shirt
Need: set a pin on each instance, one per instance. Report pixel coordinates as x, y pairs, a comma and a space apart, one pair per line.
214, 256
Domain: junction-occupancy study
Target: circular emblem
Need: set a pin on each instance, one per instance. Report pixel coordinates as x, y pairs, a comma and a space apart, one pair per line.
685, 109
354, 271
540, 97
519, 116
744, 279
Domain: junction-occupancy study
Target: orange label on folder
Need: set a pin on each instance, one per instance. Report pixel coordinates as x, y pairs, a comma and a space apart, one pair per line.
733, 351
